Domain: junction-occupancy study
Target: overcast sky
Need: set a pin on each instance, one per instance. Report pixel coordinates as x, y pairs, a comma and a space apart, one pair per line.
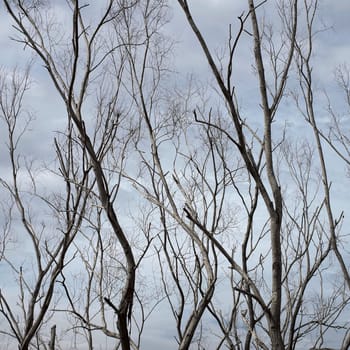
332, 48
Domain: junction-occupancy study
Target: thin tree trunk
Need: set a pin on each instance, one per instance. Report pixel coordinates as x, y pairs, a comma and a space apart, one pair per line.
275, 207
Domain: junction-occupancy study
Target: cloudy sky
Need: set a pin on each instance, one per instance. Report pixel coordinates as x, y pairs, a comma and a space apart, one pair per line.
213, 19
332, 48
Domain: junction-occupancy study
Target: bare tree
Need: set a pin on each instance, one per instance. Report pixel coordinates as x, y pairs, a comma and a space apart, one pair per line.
72, 84
48, 247
270, 189
263, 168
225, 211
304, 57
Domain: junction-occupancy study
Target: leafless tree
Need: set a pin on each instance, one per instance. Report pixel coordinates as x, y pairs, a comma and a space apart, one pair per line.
262, 165
225, 211
73, 83
48, 243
